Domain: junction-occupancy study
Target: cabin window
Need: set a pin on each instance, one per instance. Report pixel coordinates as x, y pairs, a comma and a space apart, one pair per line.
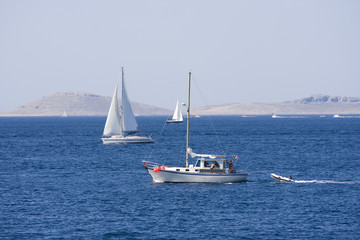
187, 170
178, 170
197, 164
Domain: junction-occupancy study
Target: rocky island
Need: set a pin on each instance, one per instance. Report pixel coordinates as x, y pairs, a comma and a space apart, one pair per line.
76, 103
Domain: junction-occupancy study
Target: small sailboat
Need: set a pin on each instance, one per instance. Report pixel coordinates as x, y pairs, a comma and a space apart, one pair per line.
208, 168
122, 128
64, 115
177, 116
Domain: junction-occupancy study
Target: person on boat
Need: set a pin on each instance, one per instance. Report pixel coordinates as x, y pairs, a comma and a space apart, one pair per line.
229, 162
214, 165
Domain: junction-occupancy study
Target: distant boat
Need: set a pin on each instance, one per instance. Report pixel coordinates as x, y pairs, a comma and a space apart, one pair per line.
122, 128
336, 116
64, 114
177, 117
275, 116
208, 168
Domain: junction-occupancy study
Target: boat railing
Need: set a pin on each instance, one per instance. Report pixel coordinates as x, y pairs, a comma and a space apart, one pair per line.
151, 164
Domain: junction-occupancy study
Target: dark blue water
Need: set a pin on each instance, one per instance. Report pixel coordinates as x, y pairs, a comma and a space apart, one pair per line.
57, 180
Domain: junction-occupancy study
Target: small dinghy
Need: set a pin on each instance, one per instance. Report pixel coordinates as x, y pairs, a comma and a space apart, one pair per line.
281, 178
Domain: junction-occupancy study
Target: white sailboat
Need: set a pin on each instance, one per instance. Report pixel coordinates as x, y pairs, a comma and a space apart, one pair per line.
122, 129
177, 116
64, 114
208, 168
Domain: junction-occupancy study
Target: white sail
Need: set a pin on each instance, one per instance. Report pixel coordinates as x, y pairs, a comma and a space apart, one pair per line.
177, 113
194, 155
112, 125
129, 124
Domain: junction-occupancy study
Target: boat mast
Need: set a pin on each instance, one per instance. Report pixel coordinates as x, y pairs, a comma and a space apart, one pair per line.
122, 119
188, 124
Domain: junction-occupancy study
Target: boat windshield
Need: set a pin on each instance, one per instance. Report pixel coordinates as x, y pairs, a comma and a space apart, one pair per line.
197, 163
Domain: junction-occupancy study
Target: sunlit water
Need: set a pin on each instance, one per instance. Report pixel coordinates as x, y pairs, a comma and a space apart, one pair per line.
57, 180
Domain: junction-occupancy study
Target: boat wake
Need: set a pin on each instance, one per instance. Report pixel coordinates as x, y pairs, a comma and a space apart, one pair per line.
326, 181
279, 178
338, 116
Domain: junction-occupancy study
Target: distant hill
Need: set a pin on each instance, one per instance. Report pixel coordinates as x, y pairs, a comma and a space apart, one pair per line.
78, 104
326, 99
315, 104
87, 104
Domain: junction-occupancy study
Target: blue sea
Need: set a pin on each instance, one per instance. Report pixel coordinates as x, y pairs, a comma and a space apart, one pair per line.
58, 181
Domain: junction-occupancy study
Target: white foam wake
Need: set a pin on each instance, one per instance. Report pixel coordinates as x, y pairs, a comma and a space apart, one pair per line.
326, 181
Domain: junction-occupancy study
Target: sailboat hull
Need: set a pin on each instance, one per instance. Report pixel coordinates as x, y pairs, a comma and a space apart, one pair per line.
126, 140
169, 176
174, 121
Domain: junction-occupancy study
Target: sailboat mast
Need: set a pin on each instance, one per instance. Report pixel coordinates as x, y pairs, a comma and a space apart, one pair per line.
122, 119
188, 124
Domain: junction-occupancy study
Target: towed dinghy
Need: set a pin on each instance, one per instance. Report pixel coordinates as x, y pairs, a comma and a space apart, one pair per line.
281, 178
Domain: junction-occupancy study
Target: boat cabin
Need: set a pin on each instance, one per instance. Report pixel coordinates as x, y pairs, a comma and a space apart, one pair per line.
210, 163
204, 164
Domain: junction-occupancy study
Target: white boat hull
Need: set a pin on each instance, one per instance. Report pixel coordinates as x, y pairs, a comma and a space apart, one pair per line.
126, 140
170, 176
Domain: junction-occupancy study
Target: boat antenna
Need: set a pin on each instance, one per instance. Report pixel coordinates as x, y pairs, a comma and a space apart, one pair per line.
188, 123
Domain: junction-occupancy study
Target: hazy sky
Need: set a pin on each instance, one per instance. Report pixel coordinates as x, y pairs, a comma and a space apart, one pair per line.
238, 50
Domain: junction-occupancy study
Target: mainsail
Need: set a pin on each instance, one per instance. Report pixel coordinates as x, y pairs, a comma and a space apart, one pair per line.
129, 124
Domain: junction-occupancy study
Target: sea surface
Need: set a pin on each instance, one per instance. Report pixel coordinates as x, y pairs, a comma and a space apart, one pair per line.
58, 181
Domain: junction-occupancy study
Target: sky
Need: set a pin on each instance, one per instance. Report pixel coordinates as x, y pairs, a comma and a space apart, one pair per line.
237, 50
